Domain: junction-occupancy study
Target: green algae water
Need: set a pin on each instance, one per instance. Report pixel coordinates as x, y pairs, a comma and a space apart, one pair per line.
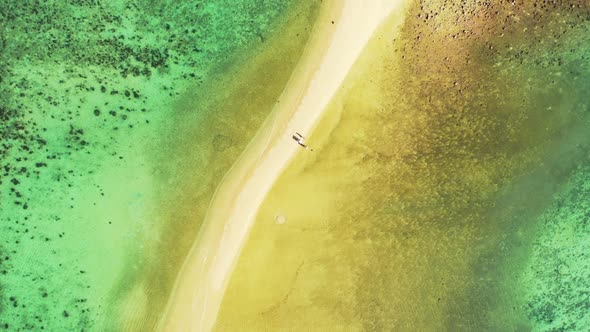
448, 186
555, 278
118, 119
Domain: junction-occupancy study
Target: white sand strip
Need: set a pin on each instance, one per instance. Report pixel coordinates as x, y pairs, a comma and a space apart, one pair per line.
327, 59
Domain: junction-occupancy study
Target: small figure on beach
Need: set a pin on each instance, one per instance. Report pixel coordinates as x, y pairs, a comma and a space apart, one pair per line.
299, 139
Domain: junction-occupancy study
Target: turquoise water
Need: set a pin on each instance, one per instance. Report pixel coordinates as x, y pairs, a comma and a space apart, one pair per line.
556, 277
94, 98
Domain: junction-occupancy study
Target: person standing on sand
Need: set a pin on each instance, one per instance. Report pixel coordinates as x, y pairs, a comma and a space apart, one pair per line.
299, 139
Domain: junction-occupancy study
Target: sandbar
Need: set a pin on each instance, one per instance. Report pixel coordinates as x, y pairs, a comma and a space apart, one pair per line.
343, 29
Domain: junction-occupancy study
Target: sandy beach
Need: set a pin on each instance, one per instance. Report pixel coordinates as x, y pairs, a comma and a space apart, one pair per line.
342, 31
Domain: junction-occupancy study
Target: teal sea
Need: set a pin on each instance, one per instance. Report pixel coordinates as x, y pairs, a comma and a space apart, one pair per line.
117, 120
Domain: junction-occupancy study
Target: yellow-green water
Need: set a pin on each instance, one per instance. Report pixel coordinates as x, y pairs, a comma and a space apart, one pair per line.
431, 195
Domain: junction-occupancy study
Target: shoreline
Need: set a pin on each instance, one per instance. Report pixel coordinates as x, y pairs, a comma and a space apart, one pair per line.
340, 34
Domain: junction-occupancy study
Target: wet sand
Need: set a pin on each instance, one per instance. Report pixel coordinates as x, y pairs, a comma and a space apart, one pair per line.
342, 31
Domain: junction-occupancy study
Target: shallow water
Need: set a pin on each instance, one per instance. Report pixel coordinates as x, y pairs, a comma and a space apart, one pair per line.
441, 177
117, 122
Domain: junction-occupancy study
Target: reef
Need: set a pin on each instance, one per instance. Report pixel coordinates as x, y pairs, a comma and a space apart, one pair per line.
84, 84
